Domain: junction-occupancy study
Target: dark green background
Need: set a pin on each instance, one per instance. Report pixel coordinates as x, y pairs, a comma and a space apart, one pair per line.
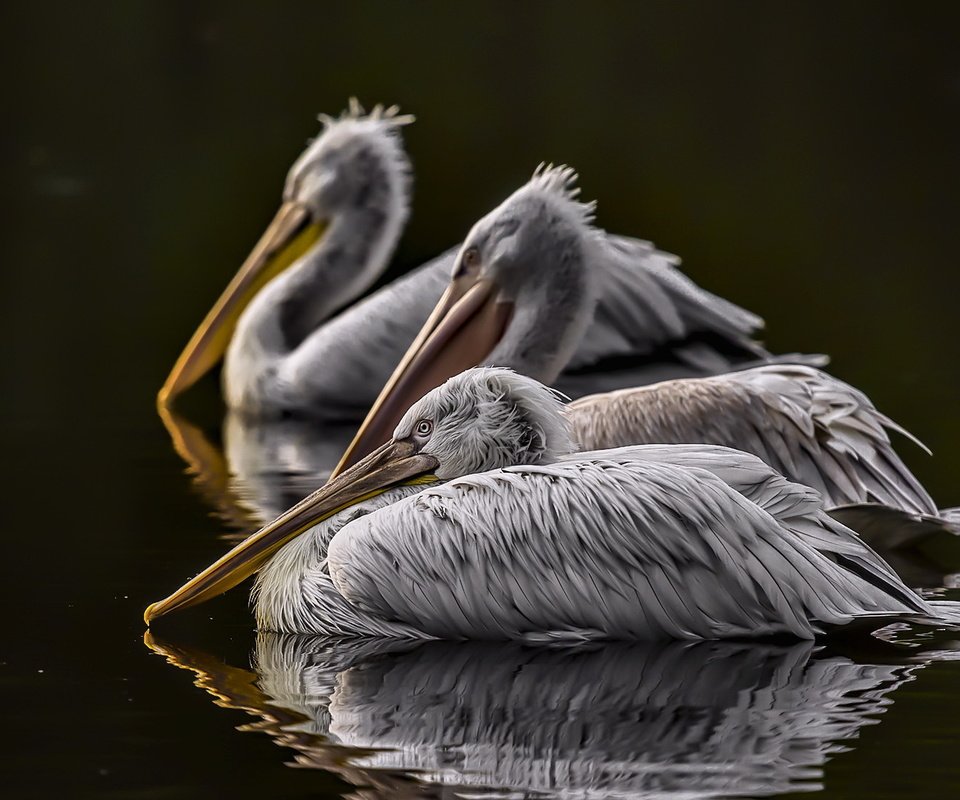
801, 157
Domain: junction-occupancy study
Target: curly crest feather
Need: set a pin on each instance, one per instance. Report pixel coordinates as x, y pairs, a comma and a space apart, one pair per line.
560, 183
387, 116
359, 143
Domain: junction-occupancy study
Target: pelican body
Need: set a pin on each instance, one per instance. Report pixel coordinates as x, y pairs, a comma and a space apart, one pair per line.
526, 539
539, 255
293, 344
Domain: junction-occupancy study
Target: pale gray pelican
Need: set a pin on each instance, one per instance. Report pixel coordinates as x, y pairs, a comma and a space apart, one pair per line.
527, 539
538, 288
288, 349
539, 254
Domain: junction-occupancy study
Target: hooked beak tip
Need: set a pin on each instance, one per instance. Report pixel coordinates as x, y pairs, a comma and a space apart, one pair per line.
150, 614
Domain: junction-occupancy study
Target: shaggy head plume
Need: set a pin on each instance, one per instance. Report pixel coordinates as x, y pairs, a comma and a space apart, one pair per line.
487, 418
353, 152
559, 184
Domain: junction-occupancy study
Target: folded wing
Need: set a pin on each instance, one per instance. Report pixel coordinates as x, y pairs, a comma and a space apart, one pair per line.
648, 307
620, 544
811, 427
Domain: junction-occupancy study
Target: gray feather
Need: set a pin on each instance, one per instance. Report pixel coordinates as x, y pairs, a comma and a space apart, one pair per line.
813, 428
566, 561
647, 303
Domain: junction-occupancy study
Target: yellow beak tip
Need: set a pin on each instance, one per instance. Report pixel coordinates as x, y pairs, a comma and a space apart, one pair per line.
150, 613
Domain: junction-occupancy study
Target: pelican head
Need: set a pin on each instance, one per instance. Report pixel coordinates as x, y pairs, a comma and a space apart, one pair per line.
486, 418
354, 178
482, 419
355, 155
521, 295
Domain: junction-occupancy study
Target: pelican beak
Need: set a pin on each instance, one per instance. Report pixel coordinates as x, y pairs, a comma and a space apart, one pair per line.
289, 236
462, 330
393, 464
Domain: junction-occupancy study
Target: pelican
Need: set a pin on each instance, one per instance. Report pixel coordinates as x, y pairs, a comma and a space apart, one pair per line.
266, 466
527, 539
539, 254
289, 350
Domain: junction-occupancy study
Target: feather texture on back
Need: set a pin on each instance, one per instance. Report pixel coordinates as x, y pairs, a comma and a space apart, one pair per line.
811, 427
647, 304
625, 544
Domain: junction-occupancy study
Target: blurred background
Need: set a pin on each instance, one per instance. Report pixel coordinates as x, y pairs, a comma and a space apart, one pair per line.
803, 159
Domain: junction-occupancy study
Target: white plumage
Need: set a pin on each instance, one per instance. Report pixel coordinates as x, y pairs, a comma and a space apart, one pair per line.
808, 425
300, 347
644, 542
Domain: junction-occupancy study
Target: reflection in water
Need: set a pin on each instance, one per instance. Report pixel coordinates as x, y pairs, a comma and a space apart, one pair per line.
276, 464
265, 467
675, 719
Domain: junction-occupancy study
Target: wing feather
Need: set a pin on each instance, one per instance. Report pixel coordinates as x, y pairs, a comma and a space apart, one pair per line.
814, 428
630, 543
647, 304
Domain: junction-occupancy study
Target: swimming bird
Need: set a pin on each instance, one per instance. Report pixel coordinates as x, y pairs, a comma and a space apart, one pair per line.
540, 255
526, 539
288, 349
537, 287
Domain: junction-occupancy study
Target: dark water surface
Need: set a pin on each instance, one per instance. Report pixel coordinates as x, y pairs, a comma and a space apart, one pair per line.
803, 161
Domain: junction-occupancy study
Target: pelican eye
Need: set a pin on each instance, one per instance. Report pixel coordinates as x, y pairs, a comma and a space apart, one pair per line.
468, 260
423, 428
